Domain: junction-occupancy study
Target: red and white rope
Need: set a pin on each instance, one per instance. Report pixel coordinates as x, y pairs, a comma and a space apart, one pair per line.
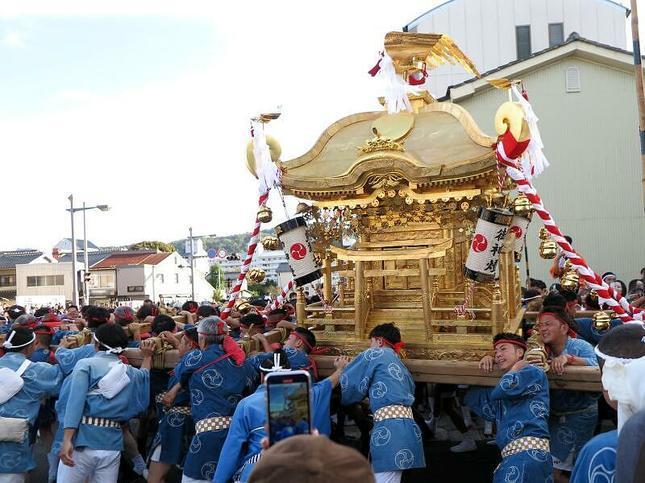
606, 294
280, 299
246, 264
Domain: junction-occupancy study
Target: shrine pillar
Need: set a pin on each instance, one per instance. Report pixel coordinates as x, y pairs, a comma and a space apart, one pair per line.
425, 297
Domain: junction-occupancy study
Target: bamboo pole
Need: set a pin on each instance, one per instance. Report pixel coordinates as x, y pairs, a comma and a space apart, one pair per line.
640, 91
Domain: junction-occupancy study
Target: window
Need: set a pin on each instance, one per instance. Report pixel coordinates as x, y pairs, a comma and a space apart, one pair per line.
572, 80
176, 278
556, 34
160, 278
135, 288
45, 280
523, 41
7, 280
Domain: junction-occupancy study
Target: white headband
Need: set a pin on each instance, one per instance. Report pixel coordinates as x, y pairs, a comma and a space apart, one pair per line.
276, 365
110, 350
8, 345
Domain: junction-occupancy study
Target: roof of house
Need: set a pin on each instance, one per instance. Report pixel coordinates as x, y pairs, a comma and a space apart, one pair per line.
92, 257
65, 242
132, 258
18, 257
518, 65
413, 23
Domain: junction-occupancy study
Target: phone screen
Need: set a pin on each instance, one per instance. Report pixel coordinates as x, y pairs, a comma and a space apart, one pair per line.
288, 403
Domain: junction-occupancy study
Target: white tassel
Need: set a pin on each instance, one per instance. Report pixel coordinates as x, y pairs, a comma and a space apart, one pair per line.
533, 161
268, 172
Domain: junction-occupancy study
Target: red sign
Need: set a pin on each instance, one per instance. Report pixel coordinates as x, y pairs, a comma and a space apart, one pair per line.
298, 251
517, 231
480, 243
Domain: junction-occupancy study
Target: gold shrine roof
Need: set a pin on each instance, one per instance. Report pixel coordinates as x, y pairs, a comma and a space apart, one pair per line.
441, 144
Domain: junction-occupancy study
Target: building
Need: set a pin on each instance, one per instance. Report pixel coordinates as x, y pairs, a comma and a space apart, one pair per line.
44, 284
133, 276
584, 94
267, 260
496, 32
285, 275
8, 262
65, 246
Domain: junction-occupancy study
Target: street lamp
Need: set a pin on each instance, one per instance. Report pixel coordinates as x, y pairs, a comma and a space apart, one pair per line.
72, 210
191, 237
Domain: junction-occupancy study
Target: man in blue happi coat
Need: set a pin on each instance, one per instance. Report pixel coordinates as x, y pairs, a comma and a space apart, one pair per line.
243, 445
104, 393
622, 360
378, 373
216, 384
175, 422
298, 346
21, 404
519, 405
573, 413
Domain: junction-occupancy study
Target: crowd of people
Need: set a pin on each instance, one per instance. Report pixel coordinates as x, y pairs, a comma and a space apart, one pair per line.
67, 385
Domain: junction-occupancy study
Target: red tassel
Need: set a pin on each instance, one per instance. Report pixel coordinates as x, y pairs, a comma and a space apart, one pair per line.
377, 67
231, 347
420, 80
512, 147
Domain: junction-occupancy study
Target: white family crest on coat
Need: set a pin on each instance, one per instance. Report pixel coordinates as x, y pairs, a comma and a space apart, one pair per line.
538, 409
212, 378
371, 354
395, 371
404, 459
378, 390
381, 436
597, 472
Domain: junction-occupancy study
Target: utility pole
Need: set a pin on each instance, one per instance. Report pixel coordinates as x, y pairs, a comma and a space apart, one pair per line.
640, 92
192, 263
74, 275
86, 271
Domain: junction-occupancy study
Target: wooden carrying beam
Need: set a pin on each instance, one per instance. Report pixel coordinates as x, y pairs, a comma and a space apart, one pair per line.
457, 372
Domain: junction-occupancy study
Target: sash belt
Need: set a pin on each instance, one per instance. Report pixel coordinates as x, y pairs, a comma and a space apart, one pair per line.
525, 444
213, 424
101, 422
393, 412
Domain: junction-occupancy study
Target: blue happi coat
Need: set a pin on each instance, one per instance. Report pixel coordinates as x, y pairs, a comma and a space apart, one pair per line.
519, 405
214, 392
395, 444
247, 430
174, 426
587, 331
596, 462
128, 403
573, 413
298, 360
40, 380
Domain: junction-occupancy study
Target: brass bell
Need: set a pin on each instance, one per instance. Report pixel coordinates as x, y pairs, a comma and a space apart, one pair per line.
570, 279
265, 215
270, 243
302, 208
243, 306
522, 206
256, 275
548, 249
593, 294
601, 320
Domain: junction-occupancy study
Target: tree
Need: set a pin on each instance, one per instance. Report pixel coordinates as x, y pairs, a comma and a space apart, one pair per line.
153, 245
268, 287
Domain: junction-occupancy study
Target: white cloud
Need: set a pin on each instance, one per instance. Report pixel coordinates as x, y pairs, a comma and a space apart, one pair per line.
13, 39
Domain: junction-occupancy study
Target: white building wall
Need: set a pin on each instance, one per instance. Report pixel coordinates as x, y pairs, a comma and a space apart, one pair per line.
43, 295
485, 29
592, 187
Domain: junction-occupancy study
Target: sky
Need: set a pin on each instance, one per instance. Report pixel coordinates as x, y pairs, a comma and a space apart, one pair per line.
144, 105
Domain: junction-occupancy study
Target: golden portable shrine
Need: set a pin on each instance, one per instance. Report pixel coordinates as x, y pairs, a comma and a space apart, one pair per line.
394, 200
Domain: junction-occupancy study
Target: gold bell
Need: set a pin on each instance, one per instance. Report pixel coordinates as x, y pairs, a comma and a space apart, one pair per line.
601, 320
243, 306
265, 215
570, 279
548, 248
522, 206
256, 275
270, 243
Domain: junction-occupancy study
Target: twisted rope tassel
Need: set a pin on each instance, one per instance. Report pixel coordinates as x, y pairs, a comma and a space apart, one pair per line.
606, 294
253, 243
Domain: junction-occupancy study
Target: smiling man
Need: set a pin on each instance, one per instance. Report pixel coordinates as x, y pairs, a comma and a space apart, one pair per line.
519, 404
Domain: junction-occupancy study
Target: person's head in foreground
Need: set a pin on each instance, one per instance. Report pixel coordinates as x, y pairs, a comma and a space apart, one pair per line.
311, 459
622, 359
509, 349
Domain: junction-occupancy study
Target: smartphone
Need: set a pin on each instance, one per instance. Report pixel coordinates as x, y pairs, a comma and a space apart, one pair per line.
288, 397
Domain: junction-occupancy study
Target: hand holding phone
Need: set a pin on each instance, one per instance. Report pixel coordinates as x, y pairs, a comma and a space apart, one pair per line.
288, 397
